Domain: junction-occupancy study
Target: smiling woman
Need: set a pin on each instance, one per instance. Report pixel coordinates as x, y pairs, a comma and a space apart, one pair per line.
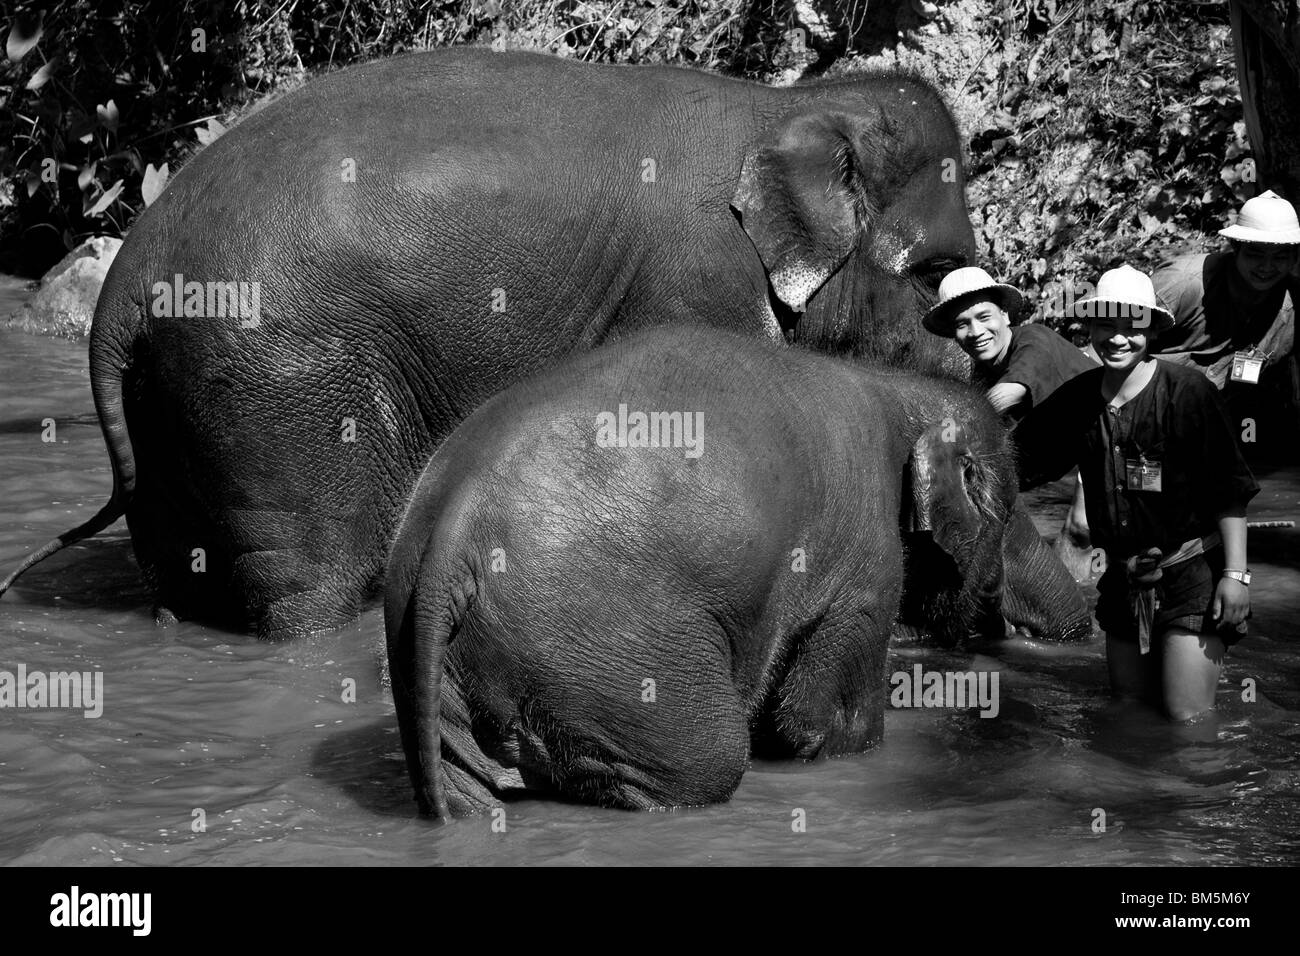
1166, 491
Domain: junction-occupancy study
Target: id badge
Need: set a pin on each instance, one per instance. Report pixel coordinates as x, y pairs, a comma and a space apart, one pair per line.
1142, 474
1246, 367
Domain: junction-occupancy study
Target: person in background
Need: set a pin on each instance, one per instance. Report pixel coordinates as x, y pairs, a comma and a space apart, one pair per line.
1166, 491
1234, 311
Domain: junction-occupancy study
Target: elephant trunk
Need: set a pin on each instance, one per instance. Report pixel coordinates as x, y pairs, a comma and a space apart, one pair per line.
1041, 595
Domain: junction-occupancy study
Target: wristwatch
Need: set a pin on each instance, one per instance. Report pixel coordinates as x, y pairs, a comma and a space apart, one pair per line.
1242, 576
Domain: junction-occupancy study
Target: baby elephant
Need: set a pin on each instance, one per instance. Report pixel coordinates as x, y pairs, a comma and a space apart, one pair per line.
619, 579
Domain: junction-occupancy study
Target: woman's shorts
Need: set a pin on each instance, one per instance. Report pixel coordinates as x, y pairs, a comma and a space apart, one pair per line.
1186, 592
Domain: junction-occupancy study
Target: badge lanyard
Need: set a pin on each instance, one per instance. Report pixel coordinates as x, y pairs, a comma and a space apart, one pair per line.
1247, 364
1142, 474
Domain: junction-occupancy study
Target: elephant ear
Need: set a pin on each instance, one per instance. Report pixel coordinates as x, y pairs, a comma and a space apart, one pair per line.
801, 202
950, 495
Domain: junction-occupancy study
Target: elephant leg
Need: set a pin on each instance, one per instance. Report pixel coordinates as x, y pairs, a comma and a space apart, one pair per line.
181, 559
286, 572
832, 699
640, 721
305, 507
475, 778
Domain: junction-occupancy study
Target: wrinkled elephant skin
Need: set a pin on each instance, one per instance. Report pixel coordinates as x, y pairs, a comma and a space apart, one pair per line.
570, 610
322, 294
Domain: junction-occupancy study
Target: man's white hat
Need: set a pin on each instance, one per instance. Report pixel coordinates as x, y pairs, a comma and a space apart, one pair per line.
959, 289
1128, 294
1268, 219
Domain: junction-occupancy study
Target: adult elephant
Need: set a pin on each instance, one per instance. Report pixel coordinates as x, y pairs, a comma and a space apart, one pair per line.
414, 234
619, 578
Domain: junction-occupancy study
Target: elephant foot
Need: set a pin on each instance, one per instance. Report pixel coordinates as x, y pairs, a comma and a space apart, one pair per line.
466, 795
472, 780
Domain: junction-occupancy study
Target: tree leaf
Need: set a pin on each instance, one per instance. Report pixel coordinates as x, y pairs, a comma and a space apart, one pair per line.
108, 115
209, 133
154, 181
42, 76
106, 200
86, 176
24, 35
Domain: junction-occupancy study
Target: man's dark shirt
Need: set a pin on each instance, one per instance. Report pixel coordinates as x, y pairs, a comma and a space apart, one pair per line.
1176, 420
1037, 358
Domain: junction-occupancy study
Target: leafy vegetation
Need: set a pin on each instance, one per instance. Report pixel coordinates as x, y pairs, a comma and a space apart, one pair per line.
1098, 131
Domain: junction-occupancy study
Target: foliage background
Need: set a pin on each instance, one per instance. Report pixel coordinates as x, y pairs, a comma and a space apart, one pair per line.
1098, 131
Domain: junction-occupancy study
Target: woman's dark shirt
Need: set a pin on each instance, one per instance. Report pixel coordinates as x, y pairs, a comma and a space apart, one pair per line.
1176, 422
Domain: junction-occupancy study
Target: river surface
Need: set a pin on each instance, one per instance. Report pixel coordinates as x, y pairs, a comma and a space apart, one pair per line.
213, 748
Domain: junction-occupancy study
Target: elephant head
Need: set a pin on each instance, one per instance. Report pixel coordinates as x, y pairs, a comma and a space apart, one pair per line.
856, 205
960, 501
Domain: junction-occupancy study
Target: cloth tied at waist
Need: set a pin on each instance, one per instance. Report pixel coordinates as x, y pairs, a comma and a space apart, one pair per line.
1145, 571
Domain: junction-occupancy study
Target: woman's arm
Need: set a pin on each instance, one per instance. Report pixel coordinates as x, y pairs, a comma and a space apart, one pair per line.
1231, 597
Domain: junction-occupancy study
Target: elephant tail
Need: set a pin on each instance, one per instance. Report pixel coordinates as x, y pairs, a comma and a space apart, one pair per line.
417, 654
107, 367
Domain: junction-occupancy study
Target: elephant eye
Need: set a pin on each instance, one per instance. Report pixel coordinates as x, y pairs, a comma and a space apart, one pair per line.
931, 271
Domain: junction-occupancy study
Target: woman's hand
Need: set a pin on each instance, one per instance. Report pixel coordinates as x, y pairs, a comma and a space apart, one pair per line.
1231, 602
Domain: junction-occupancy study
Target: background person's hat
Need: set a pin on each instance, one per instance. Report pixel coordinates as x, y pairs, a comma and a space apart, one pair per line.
959, 289
1268, 219
1125, 293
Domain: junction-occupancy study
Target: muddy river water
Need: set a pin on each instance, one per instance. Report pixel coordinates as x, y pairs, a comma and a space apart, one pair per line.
212, 748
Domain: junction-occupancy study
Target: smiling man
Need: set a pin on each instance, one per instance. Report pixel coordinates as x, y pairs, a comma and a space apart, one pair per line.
1018, 366
1235, 307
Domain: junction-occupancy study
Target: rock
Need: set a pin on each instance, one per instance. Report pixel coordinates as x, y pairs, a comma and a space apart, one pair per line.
64, 303
817, 21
